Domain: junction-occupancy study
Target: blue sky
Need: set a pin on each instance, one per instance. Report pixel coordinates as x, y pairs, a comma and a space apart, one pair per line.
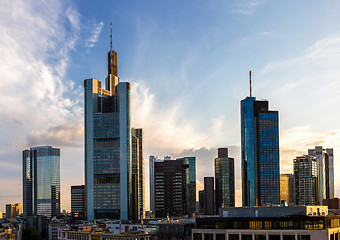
188, 63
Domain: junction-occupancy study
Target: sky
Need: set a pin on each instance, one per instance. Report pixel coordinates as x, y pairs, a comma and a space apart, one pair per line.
188, 63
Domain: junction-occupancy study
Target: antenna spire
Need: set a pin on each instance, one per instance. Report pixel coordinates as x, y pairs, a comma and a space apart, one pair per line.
250, 82
111, 36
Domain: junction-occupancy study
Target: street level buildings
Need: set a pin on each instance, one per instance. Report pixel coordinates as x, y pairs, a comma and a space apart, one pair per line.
41, 181
325, 164
306, 180
259, 153
224, 180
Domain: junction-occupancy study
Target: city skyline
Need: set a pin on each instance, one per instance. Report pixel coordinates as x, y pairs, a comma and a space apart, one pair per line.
188, 65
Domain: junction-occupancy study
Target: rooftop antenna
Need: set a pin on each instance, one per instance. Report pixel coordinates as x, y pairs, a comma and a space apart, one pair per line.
111, 36
250, 81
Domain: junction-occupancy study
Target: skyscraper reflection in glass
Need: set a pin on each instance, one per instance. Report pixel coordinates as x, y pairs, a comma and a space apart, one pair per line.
41, 181
259, 153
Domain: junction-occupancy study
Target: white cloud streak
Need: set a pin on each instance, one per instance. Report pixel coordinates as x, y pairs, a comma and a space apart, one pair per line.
248, 7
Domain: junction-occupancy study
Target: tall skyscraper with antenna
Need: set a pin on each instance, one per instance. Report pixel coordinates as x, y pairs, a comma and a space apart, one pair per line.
108, 145
259, 152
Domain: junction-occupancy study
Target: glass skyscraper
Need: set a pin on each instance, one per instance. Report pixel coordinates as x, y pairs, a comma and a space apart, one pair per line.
108, 145
224, 180
41, 181
259, 153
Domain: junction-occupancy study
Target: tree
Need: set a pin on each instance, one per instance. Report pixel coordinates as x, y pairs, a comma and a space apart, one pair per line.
31, 234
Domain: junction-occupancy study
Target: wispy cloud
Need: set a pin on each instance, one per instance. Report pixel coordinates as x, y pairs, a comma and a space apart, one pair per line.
247, 7
95, 30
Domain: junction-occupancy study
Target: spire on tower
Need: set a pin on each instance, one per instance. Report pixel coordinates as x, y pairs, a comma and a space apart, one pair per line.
250, 81
111, 36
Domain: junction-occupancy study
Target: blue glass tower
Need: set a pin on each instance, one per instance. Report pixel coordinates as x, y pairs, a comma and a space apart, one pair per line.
259, 153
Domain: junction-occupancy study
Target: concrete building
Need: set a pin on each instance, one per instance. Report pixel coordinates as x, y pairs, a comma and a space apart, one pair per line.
260, 160
224, 180
53, 228
41, 181
78, 202
287, 188
325, 163
306, 180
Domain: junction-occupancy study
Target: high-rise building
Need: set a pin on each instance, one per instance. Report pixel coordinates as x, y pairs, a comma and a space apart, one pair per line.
10, 210
78, 202
108, 146
152, 160
138, 200
259, 153
306, 180
209, 196
41, 181
18, 209
287, 188
224, 180
170, 182
191, 184
325, 172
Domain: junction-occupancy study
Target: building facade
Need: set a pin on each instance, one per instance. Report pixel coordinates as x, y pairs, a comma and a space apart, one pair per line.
78, 202
191, 184
259, 153
287, 188
209, 196
108, 146
306, 180
170, 182
325, 172
41, 181
152, 160
224, 180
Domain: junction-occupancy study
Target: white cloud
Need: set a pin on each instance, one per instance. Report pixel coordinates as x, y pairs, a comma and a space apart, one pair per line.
248, 7
95, 30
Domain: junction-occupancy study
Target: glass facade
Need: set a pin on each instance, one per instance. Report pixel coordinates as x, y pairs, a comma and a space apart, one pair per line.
259, 153
108, 143
41, 181
191, 184
78, 202
224, 182
306, 180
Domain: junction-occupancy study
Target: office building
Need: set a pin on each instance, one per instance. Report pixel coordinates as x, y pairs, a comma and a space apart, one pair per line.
325, 172
269, 223
170, 182
306, 180
41, 181
191, 184
108, 146
78, 202
209, 196
152, 160
332, 203
287, 188
259, 153
138, 185
224, 180
10, 210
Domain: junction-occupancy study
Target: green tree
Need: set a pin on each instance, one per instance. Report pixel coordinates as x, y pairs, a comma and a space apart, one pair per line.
31, 234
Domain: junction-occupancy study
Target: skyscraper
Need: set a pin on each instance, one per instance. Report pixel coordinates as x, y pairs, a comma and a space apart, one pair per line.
259, 153
41, 181
191, 184
325, 172
209, 196
138, 199
108, 157
152, 160
224, 180
306, 180
170, 182
78, 202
